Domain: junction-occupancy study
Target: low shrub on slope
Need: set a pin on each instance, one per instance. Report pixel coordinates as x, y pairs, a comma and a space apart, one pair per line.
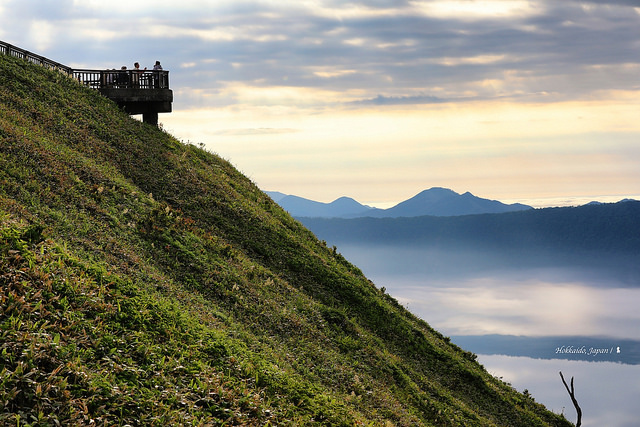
145, 281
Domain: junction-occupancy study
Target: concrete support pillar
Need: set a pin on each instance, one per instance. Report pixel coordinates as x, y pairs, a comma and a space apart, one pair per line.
151, 118
148, 102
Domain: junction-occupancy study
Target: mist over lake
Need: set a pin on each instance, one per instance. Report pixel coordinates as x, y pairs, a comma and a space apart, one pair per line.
533, 306
468, 293
531, 292
542, 313
606, 392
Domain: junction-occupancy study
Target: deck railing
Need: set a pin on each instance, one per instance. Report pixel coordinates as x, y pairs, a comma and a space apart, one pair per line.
96, 79
121, 79
11, 50
121, 86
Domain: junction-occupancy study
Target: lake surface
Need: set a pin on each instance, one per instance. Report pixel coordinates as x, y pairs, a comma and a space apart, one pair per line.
607, 392
527, 323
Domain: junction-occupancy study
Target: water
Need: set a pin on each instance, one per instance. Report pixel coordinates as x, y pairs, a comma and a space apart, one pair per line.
554, 314
607, 392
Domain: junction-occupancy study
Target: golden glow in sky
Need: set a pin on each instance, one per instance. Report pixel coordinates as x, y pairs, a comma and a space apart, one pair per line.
520, 101
515, 152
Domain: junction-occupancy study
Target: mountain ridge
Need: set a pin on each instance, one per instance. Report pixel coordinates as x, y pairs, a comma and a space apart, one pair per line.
435, 201
147, 281
602, 236
343, 207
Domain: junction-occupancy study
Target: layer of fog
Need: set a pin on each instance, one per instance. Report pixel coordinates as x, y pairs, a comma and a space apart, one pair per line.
608, 393
464, 292
471, 294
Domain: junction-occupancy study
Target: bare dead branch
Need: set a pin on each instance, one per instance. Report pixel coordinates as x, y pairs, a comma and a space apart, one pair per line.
572, 394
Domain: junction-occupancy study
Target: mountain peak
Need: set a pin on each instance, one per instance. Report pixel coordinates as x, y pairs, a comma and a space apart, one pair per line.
342, 207
437, 190
344, 199
438, 201
435, 201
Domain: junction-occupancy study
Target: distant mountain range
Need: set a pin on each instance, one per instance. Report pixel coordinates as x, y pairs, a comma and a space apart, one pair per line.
344, 207
607, 227
593, 235
435, 201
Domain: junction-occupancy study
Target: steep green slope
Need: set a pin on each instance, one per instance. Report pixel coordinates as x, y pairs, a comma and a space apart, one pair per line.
145, 281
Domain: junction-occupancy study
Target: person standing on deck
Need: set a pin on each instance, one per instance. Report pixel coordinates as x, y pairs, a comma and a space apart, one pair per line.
135, 75
156, 76
123, 79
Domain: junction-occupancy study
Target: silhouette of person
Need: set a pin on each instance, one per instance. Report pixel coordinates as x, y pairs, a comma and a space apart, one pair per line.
123, 78
157, 75
135, 75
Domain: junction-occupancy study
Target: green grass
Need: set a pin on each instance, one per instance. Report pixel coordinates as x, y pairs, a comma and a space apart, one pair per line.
147, 282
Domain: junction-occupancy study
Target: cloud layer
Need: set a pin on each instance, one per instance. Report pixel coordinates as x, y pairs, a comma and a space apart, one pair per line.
511, 99
380, 52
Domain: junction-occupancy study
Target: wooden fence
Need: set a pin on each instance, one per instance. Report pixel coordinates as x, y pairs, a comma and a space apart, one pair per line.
11, 50
121, 79
96, 79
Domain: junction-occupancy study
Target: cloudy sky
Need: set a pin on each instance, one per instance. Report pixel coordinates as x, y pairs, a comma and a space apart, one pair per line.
531, 101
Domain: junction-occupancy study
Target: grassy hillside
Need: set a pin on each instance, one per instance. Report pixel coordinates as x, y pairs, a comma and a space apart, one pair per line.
145, 281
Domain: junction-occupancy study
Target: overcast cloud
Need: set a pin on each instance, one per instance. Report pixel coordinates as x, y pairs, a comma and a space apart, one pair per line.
379, 52
385, 73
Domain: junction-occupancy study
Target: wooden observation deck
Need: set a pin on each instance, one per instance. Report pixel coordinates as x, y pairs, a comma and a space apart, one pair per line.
136, 91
